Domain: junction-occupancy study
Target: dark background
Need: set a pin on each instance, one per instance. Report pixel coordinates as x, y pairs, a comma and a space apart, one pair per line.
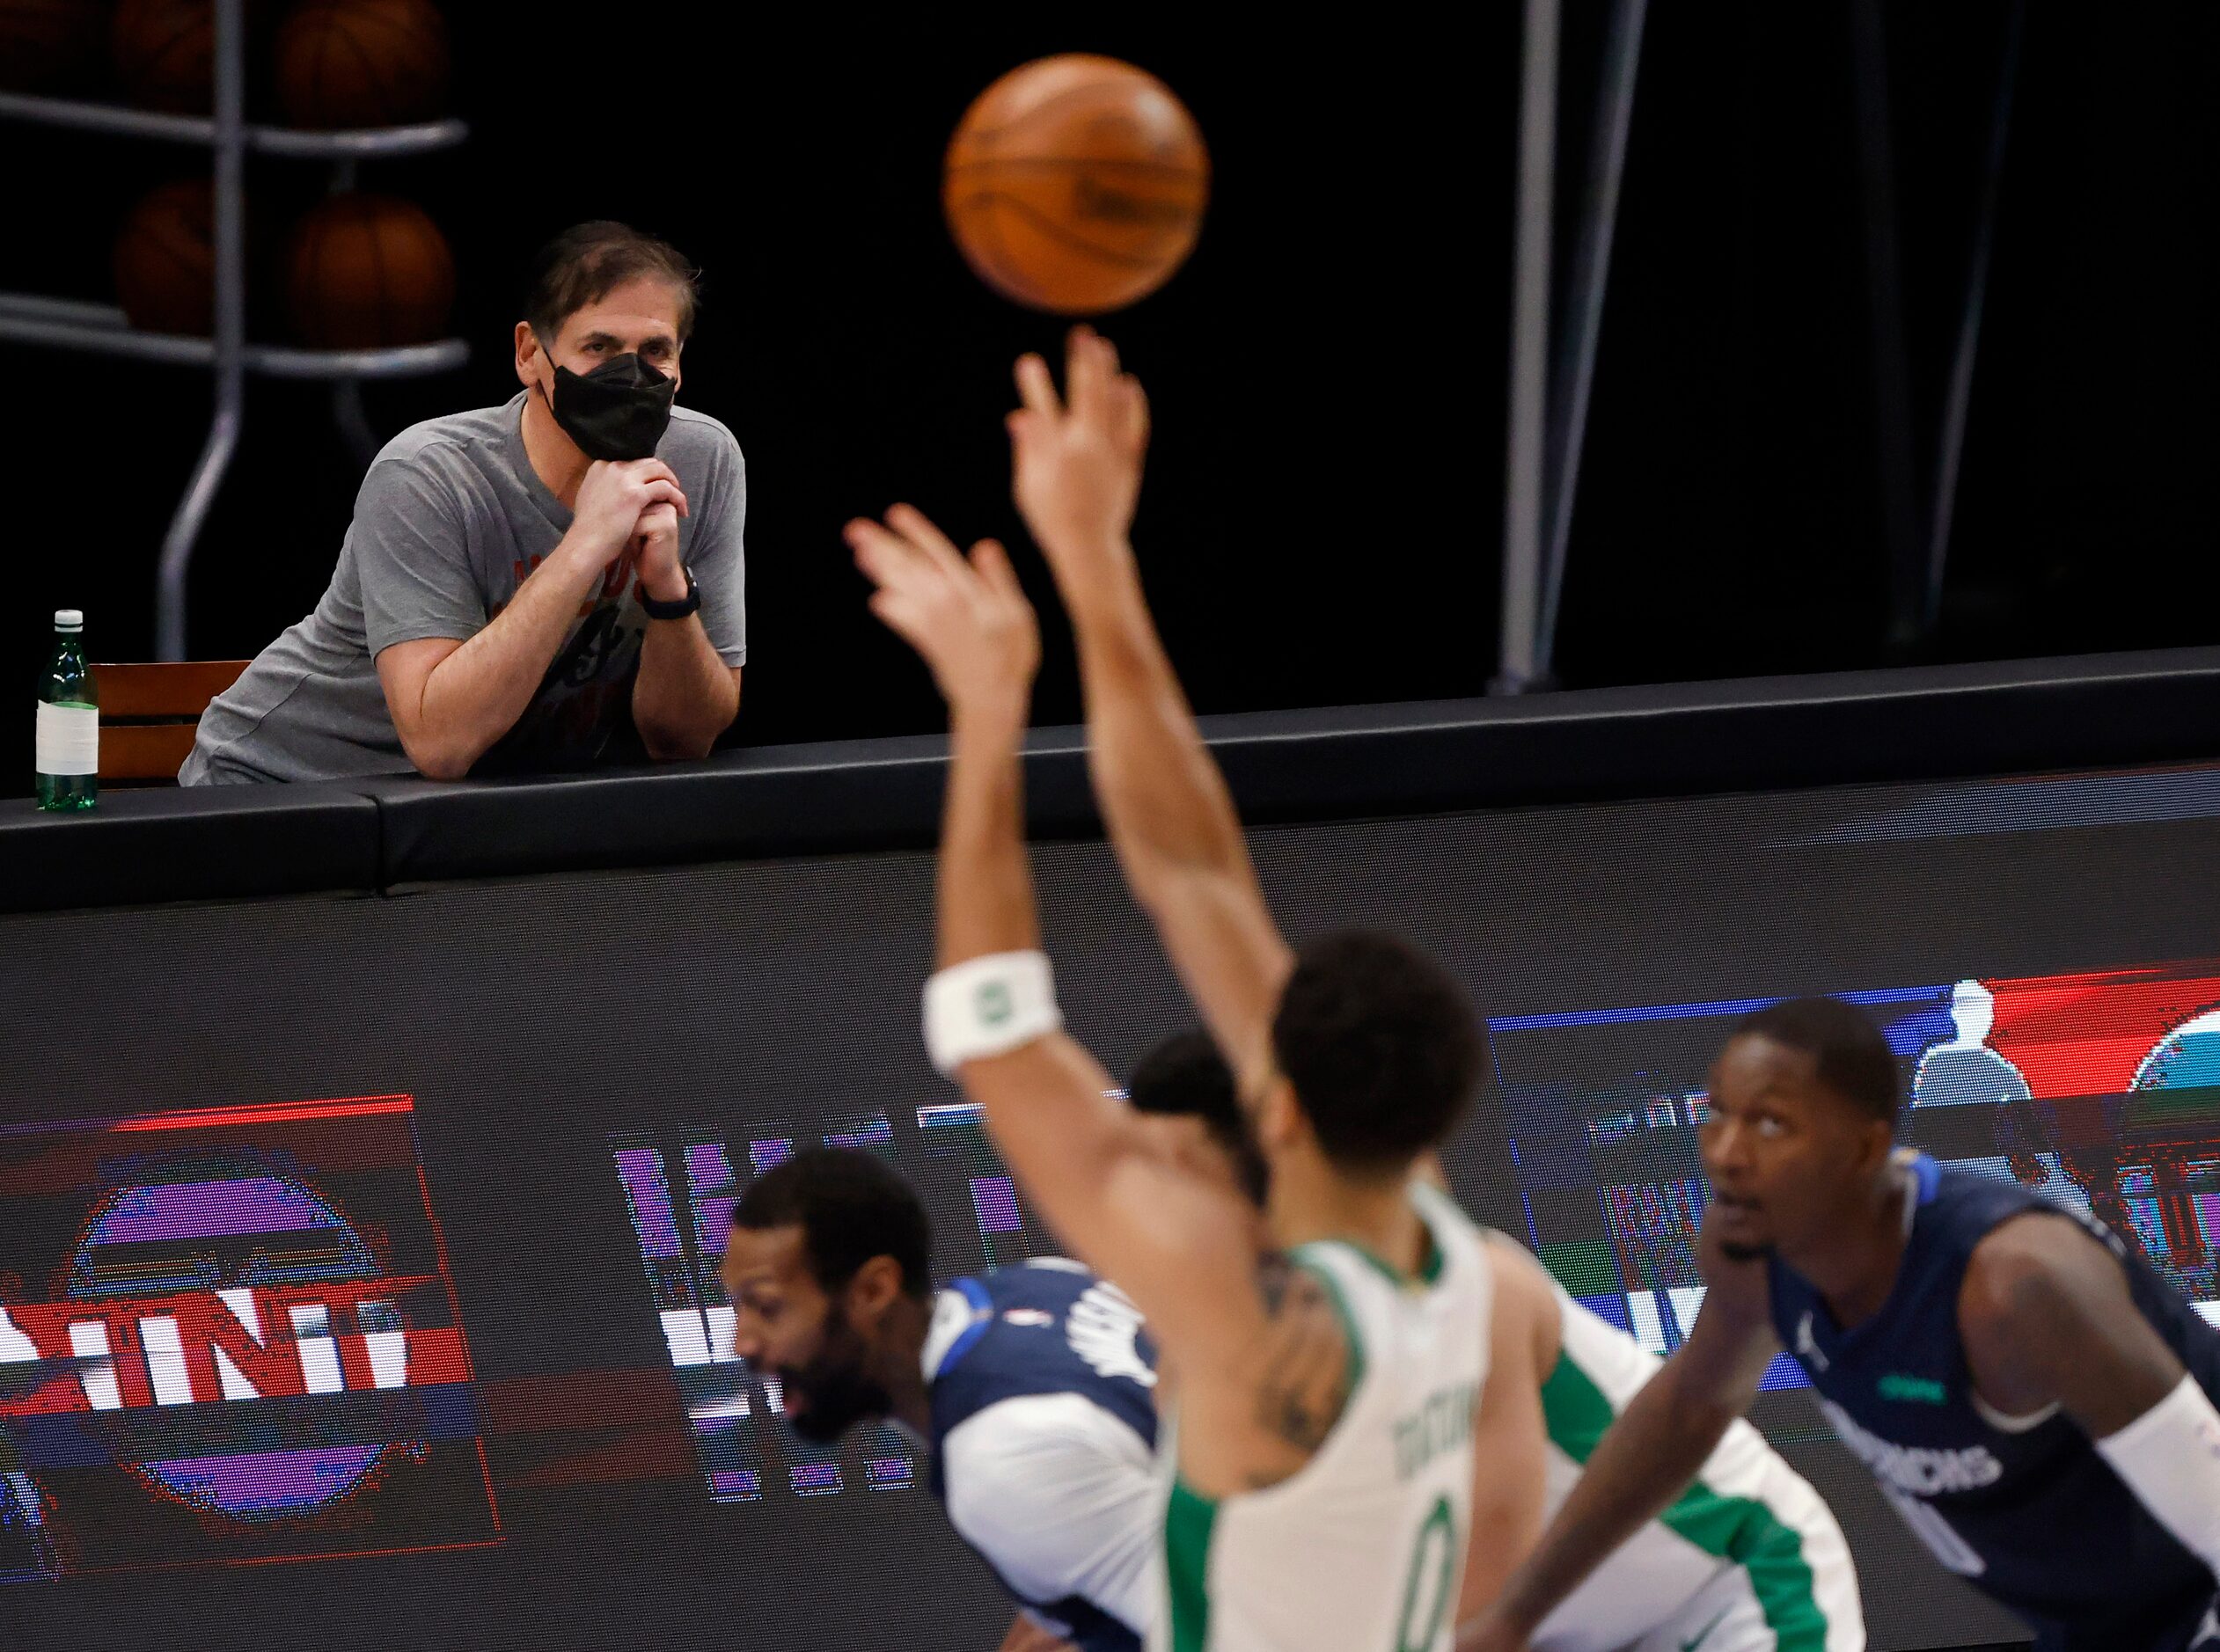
1324, 512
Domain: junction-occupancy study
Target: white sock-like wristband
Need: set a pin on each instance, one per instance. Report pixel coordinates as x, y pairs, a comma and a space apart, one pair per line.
2170, 1457
989, 1007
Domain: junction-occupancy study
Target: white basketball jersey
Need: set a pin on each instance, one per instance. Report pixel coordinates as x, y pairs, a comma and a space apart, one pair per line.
1747, 1559
1363, 1549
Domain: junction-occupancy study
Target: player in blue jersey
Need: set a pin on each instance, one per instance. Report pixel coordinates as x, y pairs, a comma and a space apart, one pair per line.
1031, 1386
2033, 1399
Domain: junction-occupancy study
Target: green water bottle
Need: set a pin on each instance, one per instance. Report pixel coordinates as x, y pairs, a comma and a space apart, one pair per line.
68, 760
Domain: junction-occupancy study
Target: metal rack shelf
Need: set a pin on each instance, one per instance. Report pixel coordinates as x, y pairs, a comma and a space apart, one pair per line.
69, 324
368, 143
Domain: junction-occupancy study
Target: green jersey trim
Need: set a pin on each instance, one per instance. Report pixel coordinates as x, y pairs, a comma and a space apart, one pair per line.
1740, 1530
1355, 1371
1430, 1266
1189, 1519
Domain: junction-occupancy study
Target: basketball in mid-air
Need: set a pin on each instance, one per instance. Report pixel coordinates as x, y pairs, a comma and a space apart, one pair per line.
1076, 184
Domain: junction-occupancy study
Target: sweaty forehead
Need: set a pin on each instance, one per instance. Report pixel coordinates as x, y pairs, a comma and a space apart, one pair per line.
1752, 1064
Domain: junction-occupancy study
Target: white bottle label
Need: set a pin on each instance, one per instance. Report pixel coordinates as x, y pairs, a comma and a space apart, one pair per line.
69, 740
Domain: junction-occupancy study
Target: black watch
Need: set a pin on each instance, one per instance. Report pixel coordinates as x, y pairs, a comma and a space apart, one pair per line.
690, 603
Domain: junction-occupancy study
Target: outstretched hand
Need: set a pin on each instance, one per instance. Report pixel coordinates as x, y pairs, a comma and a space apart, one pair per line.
1076, 461
968, 620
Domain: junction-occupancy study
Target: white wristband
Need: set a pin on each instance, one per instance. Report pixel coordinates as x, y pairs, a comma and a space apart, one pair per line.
2170, 1457
989, 1007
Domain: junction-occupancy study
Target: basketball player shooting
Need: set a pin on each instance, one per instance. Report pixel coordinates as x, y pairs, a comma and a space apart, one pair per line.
2034, 1400
1327, 1399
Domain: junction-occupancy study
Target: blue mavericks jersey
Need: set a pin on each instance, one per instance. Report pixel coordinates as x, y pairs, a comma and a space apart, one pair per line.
2025, 1509
1025, 1355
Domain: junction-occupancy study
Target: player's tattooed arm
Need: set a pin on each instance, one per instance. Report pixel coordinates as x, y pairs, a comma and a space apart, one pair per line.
1302, 1378
1302, 1384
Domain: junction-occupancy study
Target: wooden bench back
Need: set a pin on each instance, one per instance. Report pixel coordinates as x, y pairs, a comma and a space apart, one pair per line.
150, 713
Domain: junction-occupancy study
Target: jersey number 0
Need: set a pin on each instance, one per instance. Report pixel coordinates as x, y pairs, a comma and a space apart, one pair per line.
1433, 1572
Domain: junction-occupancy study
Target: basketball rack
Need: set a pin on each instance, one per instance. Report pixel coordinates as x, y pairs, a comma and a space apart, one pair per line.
69, 324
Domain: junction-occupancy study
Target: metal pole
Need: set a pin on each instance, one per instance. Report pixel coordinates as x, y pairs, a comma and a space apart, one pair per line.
231, 331
1529, 349
354, 422
1885, 299
1591, 282
347, 393
1960, 394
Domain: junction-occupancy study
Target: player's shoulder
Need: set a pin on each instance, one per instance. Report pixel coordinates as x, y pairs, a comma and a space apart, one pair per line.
1039, 1482
2033, 1265
699, 438
1528, 1307
1037, 1312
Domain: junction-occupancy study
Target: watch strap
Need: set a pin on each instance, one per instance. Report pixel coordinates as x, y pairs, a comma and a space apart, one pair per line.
690, 603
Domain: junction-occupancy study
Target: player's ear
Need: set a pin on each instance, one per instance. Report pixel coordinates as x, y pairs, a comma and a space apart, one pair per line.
874, 1287
1279, 1117
527, 355
1878, 1142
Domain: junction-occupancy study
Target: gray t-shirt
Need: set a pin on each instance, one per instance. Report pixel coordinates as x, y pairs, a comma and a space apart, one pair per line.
450, 521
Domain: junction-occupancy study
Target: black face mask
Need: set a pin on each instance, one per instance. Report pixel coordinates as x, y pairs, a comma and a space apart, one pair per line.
618, 410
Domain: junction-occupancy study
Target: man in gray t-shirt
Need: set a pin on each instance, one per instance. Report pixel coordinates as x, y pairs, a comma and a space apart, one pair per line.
543, 585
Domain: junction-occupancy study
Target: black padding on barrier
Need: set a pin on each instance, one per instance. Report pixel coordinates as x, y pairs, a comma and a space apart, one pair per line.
204, 843
1937, 722
1934, 723
848, 796
1941, 723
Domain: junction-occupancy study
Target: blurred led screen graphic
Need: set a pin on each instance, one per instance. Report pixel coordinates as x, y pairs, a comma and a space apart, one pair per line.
238, 1332
229, 1335
678, 1191
2098, 1091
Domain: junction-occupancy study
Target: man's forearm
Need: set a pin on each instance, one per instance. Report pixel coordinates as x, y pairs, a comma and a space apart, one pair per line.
686, 695
1163, 799
985, 884
476, 694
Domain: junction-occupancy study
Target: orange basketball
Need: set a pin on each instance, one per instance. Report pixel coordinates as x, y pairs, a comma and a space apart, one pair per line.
1076, 184
49, 45
369, 272
165, 52
362, 63
165, 259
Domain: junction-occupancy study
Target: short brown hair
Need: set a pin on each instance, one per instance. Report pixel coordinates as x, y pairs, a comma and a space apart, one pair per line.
589, 261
